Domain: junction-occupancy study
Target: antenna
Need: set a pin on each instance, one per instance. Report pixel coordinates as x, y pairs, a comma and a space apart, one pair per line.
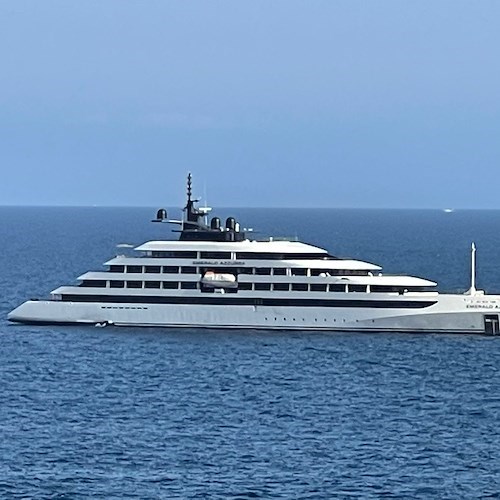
189, 182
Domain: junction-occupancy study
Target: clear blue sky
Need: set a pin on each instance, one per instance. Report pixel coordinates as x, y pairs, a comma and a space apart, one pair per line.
269, 103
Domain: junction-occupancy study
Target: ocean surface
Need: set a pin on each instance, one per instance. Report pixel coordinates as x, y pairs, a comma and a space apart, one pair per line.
155, 413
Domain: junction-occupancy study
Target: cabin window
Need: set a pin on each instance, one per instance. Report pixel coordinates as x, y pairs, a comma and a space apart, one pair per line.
189, 285
151, 284
170, 285
357, 288
153, 269
116, 269
337, 288
245, 286
300, 287
170, 269
299, 271
262, 286
245, 270
215, 255
188, 270
116, 284
263, 271
93, 284
134, 269
282, 287
279, 271
320, 272
318, 287
134, 284
386, 289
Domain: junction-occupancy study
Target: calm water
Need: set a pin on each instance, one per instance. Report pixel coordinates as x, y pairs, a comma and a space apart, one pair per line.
152, 413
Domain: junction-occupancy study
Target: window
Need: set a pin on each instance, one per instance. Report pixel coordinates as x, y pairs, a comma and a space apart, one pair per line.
385, 289
262, 286
170, 269
170, 285
283, 287
299, 271
299, 287
134, 284
279, 271
174, 255
93, 284
116, 284
245, 286
263, 271
337, 288
134, 269
318, 288
151, 284
320, 272
246, 270
188, 270
215, 255
116, 269
153, 269
357, 288
189, 285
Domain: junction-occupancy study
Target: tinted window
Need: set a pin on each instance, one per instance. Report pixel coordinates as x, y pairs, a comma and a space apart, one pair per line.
299, 272
246, 270
171, 285
263, 271
93, 283
245, 286
188, 270
299, 287
153, 269
279, 271
215, 255
357, 288
262, 286
152, 284
116, 284
134, 269
116, 269
134, 284
189, 285
281, 286
170, 269
175, 255
318, 288
337, 288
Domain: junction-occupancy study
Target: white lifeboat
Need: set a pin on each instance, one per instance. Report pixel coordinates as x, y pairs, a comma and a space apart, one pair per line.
219, 280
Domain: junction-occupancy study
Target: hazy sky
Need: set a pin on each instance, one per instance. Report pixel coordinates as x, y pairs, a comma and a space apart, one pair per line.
308, 103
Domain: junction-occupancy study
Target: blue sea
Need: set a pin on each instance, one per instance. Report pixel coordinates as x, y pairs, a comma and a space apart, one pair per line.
117, 413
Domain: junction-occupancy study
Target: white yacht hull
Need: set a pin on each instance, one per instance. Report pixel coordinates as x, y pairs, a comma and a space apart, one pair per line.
450, 313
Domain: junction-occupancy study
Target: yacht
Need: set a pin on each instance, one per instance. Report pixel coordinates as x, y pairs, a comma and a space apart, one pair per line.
216, 276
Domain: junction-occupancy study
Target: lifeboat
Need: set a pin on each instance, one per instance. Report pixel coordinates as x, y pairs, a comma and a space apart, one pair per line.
219, 280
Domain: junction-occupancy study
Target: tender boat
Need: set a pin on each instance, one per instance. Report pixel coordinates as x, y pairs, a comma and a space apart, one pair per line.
215, 276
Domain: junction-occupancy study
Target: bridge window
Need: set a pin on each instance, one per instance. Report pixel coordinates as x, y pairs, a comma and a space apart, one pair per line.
116, 269
215, 255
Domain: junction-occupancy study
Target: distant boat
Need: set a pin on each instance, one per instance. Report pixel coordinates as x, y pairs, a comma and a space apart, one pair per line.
448, 210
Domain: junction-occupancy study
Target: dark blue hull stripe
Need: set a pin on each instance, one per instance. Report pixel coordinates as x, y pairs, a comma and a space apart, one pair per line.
248, 301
